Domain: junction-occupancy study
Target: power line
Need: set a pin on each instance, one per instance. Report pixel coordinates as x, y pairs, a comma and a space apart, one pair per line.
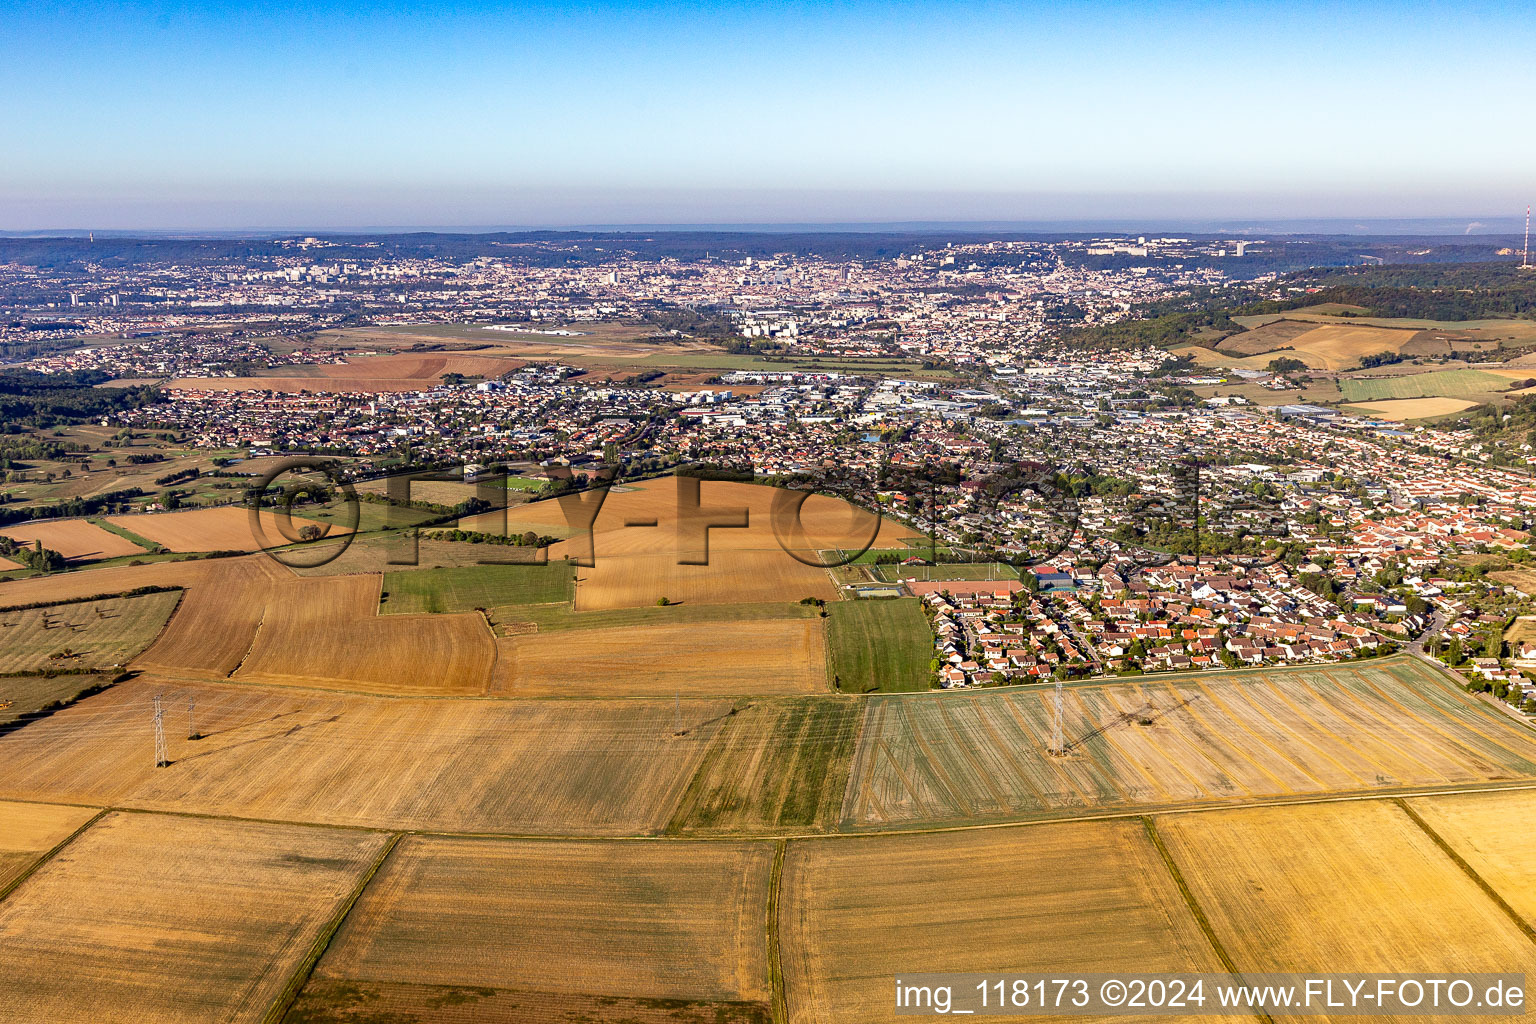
161, 760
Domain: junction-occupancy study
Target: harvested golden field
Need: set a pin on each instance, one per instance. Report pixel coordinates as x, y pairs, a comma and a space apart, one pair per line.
520, 767
1083, 896
1403, 409
226, 528
1332, 346
381, 553
1386, 724
682, 922
1493, 833
152, 918
395, 372
90, 634
115, 579
636, 565
1353, 886
75, 539
327, 632
775, 656
29, 831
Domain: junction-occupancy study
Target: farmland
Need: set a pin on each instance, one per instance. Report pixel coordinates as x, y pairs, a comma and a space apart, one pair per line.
568, 921
82, 635
1477, 826
360, 373
213, 922
638, 539
1330, 346
1395, 902
328, 632
24, 696
855, 912
1436, 384
75, 539
226, 528
29, 831
1404, 409
470, 587
524, 767
879, 645
773, 764
773, 656
1218, 737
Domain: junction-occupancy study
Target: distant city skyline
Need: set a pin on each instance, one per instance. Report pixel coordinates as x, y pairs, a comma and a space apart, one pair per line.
222, 116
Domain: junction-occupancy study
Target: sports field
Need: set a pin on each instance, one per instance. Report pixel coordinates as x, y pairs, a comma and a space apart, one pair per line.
1209, 738
881, 645
82, 635
571, 922
171, 919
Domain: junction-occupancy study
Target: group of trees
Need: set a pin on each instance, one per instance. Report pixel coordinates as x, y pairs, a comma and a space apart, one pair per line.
33, 556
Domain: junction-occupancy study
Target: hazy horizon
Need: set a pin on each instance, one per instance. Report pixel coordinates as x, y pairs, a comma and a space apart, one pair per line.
221, 116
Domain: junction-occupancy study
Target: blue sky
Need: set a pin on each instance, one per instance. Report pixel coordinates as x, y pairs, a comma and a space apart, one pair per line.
231, 115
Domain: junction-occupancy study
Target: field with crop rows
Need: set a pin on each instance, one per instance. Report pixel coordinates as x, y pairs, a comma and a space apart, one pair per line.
479, 586
75, 539
225, 528
1084, 896
773, 764
677, 922
327, 632
879, 645
29, 831
1438, 383
774, 656
1394, 901
168, 919
1214, 737
522, 767
636, 565
1490, 831
82, 635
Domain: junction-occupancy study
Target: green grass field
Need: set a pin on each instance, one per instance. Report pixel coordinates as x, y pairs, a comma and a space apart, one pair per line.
82, 635
463, 589
1442, 383
554, 618
954, 571
773, 764
24, 695
143, 542
882, 645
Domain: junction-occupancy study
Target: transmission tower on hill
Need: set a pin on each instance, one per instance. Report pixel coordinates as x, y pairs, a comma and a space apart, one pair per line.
1525, 252
161, 760
1058, 738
